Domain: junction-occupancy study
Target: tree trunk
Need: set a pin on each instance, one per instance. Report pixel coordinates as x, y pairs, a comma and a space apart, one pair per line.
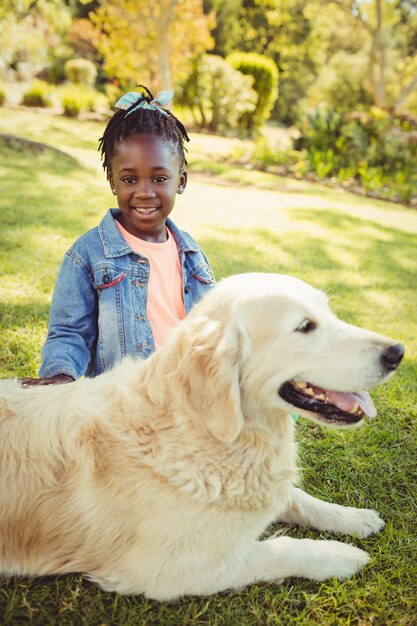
378, 45
166, 15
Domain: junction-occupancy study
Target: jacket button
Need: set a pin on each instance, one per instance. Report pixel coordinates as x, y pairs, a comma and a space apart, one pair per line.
107, 279
187, 289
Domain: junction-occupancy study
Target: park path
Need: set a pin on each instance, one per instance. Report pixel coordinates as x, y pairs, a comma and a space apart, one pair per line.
221, 199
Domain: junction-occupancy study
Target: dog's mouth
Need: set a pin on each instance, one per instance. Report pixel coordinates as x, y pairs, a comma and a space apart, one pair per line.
331, 406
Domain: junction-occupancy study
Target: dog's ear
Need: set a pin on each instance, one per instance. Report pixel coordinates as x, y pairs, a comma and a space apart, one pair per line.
208, 373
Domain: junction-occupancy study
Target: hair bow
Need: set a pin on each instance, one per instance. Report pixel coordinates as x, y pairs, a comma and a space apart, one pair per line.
161, 99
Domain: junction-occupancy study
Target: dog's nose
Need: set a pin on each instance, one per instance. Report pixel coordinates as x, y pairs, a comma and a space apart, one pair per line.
391, 357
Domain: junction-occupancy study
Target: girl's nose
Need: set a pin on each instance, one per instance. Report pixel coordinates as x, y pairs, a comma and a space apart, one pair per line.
144, 190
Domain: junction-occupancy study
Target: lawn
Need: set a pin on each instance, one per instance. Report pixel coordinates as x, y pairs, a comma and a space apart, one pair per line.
363, 256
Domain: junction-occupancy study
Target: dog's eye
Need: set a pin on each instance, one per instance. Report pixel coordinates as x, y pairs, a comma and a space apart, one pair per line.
306, 326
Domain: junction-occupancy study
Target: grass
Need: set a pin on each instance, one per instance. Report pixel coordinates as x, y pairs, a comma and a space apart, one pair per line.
363, 256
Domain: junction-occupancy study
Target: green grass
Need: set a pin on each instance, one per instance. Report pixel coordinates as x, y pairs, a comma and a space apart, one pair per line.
364, 257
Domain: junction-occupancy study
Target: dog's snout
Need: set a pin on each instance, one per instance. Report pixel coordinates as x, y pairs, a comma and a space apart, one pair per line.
391, 357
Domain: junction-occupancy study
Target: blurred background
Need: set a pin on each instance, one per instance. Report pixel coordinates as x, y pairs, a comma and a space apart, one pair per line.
327, 90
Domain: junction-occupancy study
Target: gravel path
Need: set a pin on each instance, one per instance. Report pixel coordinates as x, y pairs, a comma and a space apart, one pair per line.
254, 204
250, 205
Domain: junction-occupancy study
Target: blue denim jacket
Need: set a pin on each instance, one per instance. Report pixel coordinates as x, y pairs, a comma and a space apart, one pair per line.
98, 310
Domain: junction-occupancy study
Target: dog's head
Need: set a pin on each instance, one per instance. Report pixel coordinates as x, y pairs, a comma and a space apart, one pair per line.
262, 343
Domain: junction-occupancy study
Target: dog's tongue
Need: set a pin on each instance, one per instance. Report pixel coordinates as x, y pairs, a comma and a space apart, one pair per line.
346, 401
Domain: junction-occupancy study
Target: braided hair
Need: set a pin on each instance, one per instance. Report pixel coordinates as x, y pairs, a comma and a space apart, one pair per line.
142, 121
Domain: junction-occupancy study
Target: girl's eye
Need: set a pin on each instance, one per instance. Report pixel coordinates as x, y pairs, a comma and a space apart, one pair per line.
129, 180
306, 326
160, 179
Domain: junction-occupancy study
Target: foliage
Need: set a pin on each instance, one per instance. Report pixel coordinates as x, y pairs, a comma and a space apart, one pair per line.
265, 156
84, 38
375, 148
32, 35
81, 71
344, 53
38, 94
382, 32
320, 129
265, 83
217, 94
148, 42
227, 27
76, 99
370, 152
2, 94
279, 29
340, 83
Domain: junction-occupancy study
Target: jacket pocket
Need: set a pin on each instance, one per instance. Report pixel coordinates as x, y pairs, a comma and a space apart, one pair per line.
108, 278
203, 275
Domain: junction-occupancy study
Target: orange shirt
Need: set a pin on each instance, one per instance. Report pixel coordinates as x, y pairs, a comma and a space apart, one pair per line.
165, 305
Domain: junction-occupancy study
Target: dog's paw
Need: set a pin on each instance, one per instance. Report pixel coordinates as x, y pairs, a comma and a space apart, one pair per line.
361, 522
336, 559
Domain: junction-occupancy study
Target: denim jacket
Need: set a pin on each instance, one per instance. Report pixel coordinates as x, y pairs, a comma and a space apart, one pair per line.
98, 310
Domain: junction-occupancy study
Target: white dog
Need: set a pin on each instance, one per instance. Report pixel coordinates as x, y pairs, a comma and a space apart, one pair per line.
158, 477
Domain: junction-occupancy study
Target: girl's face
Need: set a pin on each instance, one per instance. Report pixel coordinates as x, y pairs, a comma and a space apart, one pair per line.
145, 177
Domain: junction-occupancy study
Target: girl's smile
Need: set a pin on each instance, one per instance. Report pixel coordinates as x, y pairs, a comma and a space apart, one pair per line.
145, 176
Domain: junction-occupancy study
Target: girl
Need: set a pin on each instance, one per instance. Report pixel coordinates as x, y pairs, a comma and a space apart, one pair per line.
123, 285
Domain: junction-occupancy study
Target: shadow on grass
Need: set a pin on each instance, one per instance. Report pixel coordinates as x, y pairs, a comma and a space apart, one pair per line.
380, 256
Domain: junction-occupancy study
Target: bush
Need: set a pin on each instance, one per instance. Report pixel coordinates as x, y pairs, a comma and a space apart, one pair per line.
81, 72
376, 148
216, 94
265, 156
368, 151
76, 99
2, 95
38, 95
320, 129
265, 82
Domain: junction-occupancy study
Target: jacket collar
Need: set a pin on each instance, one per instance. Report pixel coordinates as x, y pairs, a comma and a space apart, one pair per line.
114, 244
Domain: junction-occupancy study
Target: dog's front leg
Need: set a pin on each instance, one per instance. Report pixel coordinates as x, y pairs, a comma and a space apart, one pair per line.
285, 557
305, 510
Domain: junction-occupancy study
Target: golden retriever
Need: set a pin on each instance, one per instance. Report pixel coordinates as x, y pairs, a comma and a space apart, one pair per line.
158, 477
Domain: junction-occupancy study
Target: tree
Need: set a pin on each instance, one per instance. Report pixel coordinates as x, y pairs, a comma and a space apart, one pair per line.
32, 34
386, 32
279, 29
148, 41
228, 29
210, 92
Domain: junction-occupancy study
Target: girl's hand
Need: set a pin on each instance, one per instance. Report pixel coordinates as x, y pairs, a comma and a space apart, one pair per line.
59, 379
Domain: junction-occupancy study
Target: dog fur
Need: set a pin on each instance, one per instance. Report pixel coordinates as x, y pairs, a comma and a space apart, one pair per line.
158, 477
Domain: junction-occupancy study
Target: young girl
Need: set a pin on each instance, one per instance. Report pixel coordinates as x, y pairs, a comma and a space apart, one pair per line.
123, 285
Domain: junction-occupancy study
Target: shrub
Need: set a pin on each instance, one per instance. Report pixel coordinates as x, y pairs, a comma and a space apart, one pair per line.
81, 72
38, 94
265, 156
380, 139
265, 82
321, 139
2, 95
217, 94
376, 148
76, 99
114, 92
320, 129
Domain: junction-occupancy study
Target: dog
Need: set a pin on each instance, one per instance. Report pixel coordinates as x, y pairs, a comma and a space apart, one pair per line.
158, 477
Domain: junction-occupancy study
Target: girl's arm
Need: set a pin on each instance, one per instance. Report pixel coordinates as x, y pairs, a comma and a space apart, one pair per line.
52, 380
73, 323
